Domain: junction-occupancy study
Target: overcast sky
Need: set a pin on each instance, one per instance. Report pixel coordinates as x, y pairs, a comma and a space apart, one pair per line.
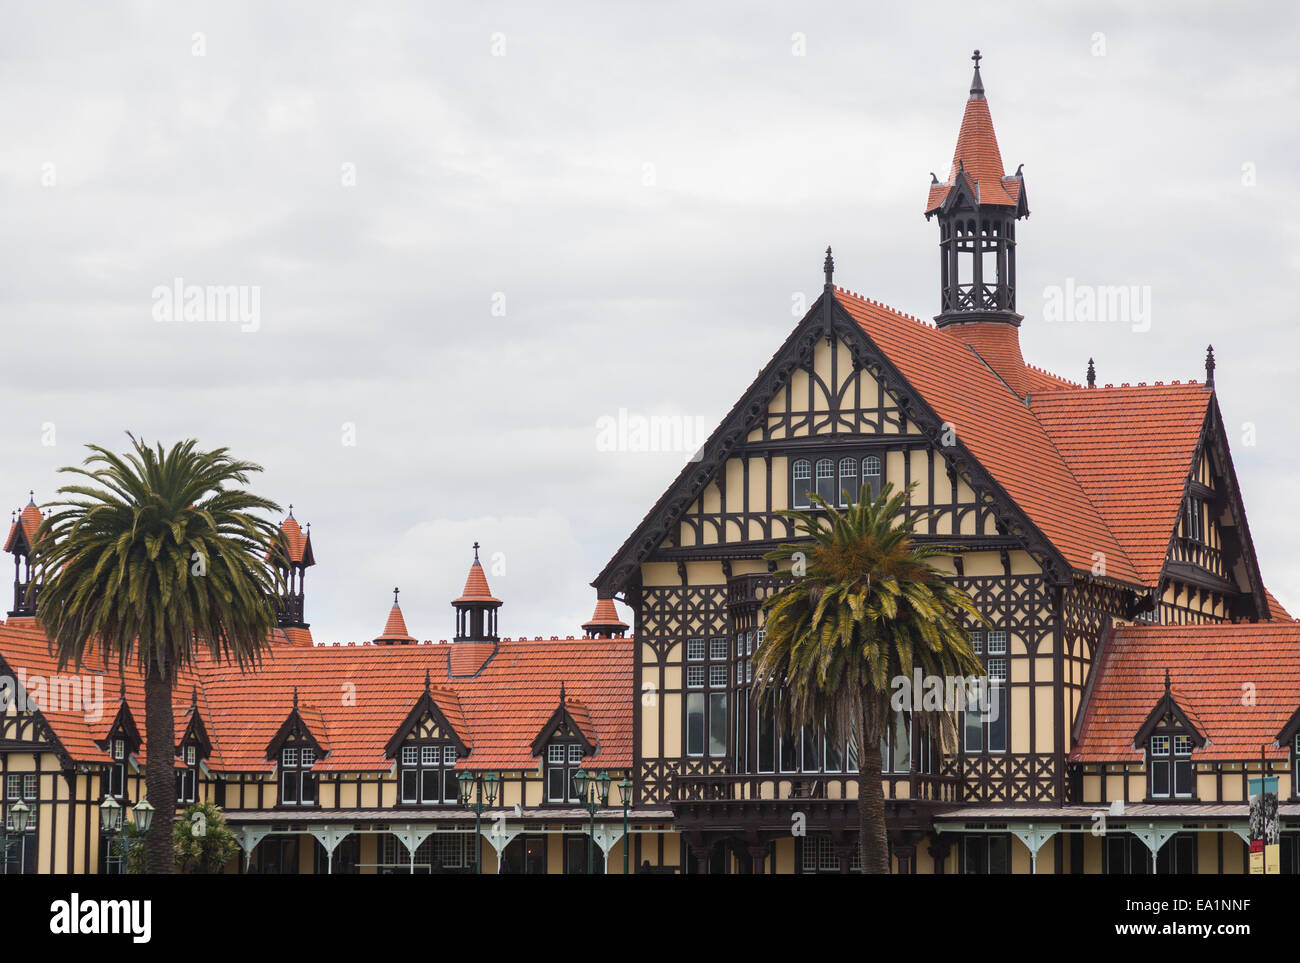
476, 229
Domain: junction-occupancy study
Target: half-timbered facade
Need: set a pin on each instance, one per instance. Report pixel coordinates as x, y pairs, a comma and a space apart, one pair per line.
1069, 509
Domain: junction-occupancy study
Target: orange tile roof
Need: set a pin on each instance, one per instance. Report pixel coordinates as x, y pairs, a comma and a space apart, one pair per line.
1208, 667
476, 585
998, 428
29, 520
1131, 450
977, 157
394, 628
297, 544
1276, 612
355, 696
998, 346
605, 618
295, 636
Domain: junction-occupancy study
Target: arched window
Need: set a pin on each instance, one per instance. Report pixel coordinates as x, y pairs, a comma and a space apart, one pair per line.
871, 473
826, 479
428, 772
848, 481
802, 474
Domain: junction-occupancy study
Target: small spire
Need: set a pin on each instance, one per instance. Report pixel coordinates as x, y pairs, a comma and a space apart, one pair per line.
121, 692
395, 591
976, 84
1209, 366
291, 509
829, 266
1092, 374
32, 499
1166, 680
194, 697
561, 693
476, 553
295, 697
426, 680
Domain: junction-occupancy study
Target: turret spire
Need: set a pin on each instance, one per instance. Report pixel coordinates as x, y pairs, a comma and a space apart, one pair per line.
1092, 375
976, 83
1209, 367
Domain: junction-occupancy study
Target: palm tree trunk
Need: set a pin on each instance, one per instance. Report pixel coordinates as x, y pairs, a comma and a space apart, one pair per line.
159, 771
873, 844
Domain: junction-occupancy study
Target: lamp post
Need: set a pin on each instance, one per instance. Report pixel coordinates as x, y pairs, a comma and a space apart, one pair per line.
110, 821
593, 794
19, 814
625, 794
473, 788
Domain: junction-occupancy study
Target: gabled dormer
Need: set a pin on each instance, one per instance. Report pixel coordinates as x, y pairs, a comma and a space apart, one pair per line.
192, 748
1168, 736
563, 742
296, 747
426, 747
121, 742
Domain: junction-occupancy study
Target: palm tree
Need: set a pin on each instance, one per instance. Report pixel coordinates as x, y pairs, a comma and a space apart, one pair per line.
154, 558
866, 609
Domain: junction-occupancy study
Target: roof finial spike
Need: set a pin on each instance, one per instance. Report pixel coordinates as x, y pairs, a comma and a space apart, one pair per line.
121, 692
395, 591
291, 509
1166, 680
426, 680
562, 693
934, 179
476, 553
194, 697
295, 697
829, 267
1092, 374
977, 84
1209, 366
31, 497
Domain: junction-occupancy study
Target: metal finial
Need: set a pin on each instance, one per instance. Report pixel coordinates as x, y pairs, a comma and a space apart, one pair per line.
32, 497
1020, 171
1209, 366
1092, 374
121, 692
934, 181
395, 591
194, 697
476, 553
1166, 680
561, 693
426, 680
829, 266
295, 697
291, 509
977, 84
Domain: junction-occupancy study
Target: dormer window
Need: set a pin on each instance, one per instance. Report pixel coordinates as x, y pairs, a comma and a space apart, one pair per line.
117, 770
428, 773
563, 760
187, 778
297, 781
1169, 762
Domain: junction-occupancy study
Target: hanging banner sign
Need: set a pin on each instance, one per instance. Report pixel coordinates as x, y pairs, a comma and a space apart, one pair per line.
1264, 828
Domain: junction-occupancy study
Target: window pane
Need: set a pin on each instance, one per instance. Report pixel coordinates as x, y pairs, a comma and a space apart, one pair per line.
871, 473
902, 743
766, 742
556, 778
449, 755
802, 473
695, 650
695, 724
409, 784
826, 480
811, 750
789, 753
717, 724
848, 481
1183, 777
575, 754
999, 696
410, 755
555, 753
999, 855
429, 755
1160, 777
431, 785
308, 788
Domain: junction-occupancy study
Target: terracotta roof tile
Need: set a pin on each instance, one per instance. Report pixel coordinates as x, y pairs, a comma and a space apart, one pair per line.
29, 520
1209, 668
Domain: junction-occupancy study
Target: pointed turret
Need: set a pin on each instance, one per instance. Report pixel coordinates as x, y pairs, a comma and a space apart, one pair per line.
292, 557
605, 623
395, 628
22, 536
977, 208
476, 609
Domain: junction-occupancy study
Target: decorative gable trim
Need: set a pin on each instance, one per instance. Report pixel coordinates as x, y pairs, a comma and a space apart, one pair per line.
1289, 731
1168, 712
294, 728
562, 725
425, 706
122, 727
826, 318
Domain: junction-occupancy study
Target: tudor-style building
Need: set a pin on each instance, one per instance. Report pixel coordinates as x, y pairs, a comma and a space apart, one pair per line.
1077, 515
1143, 671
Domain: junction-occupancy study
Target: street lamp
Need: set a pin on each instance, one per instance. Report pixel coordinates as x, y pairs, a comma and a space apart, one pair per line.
625, 794
593, 794
474, 788
110, 821
19, 814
